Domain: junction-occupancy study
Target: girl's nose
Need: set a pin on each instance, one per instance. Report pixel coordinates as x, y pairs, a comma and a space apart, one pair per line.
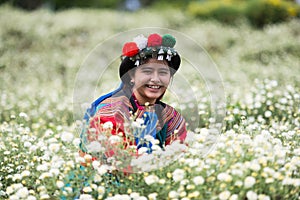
155, 77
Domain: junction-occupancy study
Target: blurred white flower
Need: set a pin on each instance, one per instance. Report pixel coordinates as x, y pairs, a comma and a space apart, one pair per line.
173, 194
23, 115
42, 167
142, 150
59, 184
151, 179
101, 190
30, 197
76, 142
263, 197
102, 169
14, 197
17, 177
54, 147
249, 181
224, 195
22, 193
268, 114
97, 178
87, 189
44, 196
198, 180
27, 144
94, 147
251, 195
234, 197
115, 139
178, 175
25, 173
224, 177
67, 136
108, 125
152, 196
95, 164
86, 197
45, 175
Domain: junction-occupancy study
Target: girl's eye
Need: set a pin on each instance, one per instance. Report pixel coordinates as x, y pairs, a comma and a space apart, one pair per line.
147, 71
163, 72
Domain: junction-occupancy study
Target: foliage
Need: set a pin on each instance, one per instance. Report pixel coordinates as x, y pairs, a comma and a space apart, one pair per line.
219, 10
257, 12
262, 12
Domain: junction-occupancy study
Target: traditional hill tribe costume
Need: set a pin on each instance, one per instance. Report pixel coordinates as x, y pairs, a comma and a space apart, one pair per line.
161, 121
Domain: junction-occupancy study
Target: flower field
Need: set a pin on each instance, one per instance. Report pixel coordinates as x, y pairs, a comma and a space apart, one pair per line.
253, 154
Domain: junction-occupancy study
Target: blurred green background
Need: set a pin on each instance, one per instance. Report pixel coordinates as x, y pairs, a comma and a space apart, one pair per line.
257, 12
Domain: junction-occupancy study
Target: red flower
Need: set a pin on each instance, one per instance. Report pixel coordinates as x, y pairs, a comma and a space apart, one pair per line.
130, 49
154, 40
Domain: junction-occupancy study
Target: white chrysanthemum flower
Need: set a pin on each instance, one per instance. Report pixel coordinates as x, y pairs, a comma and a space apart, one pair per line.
263, 197
108, 125
173, 194
23, 115
30, 197
27, 144
101, 190
234, 197
178, 175
67, 136
249, 181
60, 184
44, 196
42, 167
14, 197
17, 177
95, 164
151, 179
152, 196
198, 180
251, 195
45, 175
224, 177
115, 139
268, 114
22, 193
142, 150
25, 173
87, 189
224, 195
76, 142
94, 147
140, 198
141, 41
97, 178
54, 147
85, 197
102, 169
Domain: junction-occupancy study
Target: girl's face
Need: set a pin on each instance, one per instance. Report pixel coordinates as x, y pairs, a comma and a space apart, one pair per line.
150, 81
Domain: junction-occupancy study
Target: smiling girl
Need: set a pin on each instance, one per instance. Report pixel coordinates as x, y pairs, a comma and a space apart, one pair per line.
147, 67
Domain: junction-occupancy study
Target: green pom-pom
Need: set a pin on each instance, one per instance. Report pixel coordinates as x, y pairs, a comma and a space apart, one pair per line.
168, 41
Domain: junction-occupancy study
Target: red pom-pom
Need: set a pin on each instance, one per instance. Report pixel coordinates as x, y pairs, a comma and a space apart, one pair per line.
130, 49
154, 40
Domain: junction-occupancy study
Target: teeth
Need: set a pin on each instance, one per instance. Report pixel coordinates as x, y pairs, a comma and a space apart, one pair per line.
154, 86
